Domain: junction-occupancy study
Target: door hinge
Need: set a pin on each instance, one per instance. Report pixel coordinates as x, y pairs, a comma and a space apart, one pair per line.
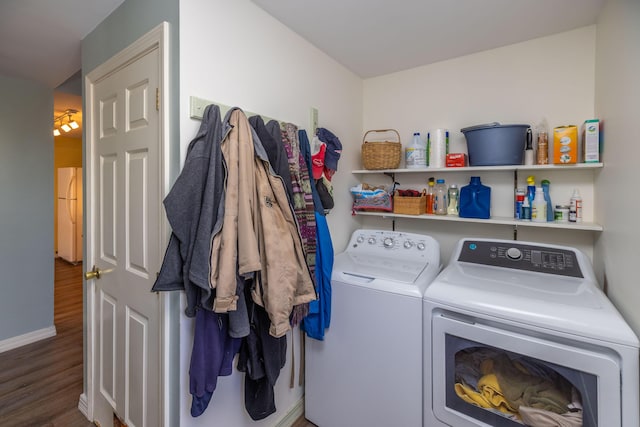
157, 99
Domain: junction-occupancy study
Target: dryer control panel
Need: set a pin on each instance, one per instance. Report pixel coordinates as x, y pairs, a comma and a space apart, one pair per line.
539, 259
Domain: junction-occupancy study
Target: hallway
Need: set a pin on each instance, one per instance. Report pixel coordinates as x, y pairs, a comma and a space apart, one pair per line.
40, 383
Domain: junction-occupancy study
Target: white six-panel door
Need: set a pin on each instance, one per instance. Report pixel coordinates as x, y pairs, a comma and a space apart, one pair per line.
124, 213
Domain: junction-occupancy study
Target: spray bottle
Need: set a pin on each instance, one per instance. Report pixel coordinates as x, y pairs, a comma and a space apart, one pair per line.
531, 189
545, 188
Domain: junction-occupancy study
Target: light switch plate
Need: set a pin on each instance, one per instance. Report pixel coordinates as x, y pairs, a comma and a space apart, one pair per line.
314, 120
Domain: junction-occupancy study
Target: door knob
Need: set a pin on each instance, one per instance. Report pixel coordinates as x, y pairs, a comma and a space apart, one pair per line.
95, 273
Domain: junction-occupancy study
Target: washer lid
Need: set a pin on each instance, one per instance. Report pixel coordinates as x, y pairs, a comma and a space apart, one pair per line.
383, 274
383, 268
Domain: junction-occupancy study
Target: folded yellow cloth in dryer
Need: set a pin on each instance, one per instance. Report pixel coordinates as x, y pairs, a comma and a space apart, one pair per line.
487, 396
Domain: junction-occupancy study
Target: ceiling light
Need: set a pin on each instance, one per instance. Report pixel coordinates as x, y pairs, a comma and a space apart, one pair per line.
71, 123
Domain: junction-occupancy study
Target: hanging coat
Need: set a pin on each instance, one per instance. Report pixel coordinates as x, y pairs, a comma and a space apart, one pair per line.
259, 237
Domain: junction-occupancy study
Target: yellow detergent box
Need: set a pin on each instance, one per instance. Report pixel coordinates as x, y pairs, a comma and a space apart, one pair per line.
565, 145
591, 141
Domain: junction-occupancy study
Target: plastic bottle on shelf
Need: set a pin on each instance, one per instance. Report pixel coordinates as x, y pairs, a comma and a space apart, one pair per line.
531, 189
520, 196
539, 207
452, 207
475, 200
543, 148
575, 207
431, 193
545, 189
526, 210
440, 199
416, 153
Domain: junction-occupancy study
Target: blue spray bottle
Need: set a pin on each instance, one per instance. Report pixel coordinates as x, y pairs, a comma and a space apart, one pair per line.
531, 194
545, 188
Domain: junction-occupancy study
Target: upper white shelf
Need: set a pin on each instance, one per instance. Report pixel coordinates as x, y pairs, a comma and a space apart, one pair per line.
486, 168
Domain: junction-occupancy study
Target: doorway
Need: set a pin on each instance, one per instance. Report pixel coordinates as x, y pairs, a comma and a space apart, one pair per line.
126, 127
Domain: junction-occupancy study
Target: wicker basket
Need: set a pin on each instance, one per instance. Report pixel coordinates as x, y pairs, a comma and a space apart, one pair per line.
381, 154
410, 205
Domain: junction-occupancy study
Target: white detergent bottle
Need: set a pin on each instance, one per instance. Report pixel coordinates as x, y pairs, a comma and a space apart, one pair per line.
415, 155
539, 207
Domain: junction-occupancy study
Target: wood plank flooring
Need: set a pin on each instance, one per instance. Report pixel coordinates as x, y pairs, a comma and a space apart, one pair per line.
40, 383
303, 422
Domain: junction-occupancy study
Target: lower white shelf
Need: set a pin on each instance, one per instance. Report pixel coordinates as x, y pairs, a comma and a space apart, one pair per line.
586, 226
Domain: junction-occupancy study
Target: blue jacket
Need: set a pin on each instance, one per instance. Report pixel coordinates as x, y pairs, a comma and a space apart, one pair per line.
319, 317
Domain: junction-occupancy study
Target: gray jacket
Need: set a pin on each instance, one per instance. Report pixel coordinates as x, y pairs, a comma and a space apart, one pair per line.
195, 208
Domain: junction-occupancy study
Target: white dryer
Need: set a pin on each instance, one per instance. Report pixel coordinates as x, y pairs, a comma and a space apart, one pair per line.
512, 326
368, 369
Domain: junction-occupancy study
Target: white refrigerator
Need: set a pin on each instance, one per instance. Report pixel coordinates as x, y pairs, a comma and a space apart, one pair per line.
70, 214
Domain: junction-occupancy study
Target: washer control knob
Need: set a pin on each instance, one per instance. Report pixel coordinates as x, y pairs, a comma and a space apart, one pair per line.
360, 239
388, 242
372, 240
408, 244
514, 253
421, 246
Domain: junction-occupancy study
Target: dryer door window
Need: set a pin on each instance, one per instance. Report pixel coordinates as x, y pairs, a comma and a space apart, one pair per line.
485, 373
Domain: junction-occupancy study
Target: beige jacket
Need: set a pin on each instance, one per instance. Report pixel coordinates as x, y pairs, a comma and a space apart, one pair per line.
259, 234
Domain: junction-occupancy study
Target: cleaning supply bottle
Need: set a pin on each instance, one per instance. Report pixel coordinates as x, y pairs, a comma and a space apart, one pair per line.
543, 149
452, 208
431, 193
416, 153
475, 200
575, 207
539, 207
440, 200
520, 196
545, 189
526, 209
531, 189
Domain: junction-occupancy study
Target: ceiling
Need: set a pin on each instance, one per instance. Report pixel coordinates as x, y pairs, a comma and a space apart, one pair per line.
376, 37
40, 39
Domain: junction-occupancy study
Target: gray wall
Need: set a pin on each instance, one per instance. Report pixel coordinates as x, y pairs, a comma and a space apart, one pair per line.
26, 207
130, 21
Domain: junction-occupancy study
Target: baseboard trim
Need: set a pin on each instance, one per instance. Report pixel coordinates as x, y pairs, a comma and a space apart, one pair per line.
28, 338
294, 413
83, 405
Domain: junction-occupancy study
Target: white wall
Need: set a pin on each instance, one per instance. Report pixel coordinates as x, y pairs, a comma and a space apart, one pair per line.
233, 53
617, 103
550, 78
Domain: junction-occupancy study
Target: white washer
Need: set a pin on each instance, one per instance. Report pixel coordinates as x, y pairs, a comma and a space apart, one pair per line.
368, 369
536, 303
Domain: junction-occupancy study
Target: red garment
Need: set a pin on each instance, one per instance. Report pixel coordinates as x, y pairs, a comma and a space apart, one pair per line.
317, 160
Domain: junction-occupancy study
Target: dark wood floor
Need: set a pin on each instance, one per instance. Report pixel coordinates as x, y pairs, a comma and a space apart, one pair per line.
302, 422
40, 383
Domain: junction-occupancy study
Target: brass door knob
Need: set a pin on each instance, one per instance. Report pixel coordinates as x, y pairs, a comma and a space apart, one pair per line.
94, 273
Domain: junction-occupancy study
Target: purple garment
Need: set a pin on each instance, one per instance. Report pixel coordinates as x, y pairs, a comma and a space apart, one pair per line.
212, 356
303, 207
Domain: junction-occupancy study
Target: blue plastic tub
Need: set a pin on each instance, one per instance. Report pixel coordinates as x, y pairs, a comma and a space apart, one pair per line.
493, 144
